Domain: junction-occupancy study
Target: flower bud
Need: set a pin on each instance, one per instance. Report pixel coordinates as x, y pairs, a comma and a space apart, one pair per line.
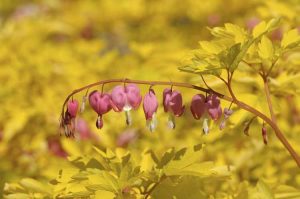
264, 135
227, 113
72, 108
222, 124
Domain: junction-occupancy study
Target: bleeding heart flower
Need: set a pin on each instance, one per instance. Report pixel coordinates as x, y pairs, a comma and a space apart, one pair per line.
83, 129
125, 98
198, 106
101, 103
150, 106
210, 105
172, 101
72, 108
213, 107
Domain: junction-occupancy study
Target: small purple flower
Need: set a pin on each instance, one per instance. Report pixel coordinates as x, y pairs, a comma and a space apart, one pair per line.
213, 107
227, 112
72, 108
150, 106
172, 101
198, 106
125, 98
101, 103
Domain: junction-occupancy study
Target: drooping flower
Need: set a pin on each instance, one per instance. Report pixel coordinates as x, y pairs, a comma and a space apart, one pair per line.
213, 107
83, 130
126, 138
150, 106
198, 106
55, 147
101, 103
227, 113
203, 106
68, 119
72, 108
172, 101
125, 98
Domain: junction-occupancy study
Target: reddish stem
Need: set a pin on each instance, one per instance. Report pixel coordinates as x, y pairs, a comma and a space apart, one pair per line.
240, 104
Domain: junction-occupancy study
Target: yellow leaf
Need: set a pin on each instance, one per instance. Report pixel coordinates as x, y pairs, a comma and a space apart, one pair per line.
240, 35
210, 47
259, 29
17, 196
265, 48
35, 185
290, 37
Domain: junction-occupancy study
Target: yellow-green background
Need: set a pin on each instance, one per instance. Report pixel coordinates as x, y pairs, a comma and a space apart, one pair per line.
49, 48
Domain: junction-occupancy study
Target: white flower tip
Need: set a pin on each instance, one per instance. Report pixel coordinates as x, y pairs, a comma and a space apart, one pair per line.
128, 118
205, 127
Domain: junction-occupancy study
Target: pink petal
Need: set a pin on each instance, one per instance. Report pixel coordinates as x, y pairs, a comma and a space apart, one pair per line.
175, 103
213, 107
101, 103
166, 98
73, 108
198, 106
134, 97
150, 104
119, 98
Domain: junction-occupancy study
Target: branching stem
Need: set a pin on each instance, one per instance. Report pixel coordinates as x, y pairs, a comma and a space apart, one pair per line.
232, 99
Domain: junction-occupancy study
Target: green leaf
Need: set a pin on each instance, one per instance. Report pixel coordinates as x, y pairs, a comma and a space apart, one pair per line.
265, 48
231, 55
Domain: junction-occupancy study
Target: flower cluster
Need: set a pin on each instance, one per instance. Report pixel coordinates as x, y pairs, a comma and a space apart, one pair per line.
127, 97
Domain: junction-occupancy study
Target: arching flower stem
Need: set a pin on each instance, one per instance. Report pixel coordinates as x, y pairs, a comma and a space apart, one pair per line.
232, 99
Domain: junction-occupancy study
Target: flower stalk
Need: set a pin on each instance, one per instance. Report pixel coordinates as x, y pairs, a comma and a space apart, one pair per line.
232, 99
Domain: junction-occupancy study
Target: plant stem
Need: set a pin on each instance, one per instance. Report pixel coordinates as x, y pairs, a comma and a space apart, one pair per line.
148, 193
232, 99
268, 96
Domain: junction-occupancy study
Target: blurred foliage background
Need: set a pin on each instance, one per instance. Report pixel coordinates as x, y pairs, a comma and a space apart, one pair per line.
51, 47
